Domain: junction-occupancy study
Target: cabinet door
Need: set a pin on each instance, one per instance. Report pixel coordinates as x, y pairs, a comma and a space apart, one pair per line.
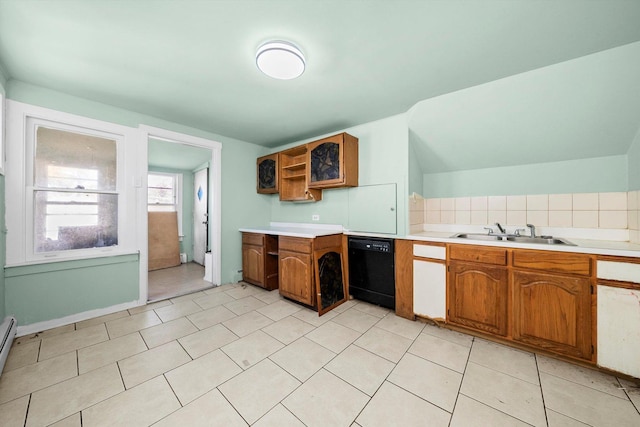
296, 279
553, 312
429, 289
478, 297
330, 279
253, 264
267, 174
325, 163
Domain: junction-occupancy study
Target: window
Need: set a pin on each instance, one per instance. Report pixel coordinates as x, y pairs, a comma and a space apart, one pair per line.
164, 194
75, 197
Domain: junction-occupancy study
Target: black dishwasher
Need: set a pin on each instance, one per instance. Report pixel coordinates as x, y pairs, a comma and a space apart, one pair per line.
372, 270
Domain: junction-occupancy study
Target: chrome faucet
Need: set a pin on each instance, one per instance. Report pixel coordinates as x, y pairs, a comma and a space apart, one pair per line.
533, 229
501, 228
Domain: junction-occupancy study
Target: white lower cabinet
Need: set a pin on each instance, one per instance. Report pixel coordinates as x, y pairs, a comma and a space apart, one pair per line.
619, 329
429, 289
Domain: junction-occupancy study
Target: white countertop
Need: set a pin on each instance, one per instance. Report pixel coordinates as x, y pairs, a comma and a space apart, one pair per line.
598, 247
309, 231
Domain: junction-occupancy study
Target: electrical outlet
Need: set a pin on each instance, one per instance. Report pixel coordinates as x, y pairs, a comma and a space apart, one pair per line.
315, 217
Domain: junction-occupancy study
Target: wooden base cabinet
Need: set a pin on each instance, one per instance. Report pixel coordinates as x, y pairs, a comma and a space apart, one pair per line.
552, 312
478, 297
296, 276
260, 260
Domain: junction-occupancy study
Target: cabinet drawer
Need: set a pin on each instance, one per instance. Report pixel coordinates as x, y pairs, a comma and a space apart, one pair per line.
429, 251
253, 239
560, 262
483, 254
295, 244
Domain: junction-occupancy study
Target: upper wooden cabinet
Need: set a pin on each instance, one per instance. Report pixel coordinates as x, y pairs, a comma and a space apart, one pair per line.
293, 176
333, 162
267, 174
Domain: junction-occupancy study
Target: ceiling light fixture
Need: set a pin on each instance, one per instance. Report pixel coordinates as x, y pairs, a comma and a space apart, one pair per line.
280, 60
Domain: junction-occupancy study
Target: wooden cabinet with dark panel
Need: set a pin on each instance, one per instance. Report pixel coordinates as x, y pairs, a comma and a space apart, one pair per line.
333, 162
267, 174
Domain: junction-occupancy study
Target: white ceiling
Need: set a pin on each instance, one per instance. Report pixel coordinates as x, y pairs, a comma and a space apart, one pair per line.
192, 62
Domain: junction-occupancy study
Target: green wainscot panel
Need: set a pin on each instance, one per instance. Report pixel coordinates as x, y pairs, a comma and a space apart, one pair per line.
373, 208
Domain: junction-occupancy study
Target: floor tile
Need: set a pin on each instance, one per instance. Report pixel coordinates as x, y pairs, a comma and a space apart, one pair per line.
173, 311
586, 404
148, 307
278, 417
166, 332
400, 326
437, 350
68, 397
356, 320
70, 341
201, 375
279, 310
244, 305
211, 316
580, 375
302, 358
346, 306
212, 409
247, 323
449, 335
633, 391
22, 354
508, 394
187, 297
361, 369
288, 330
101, 319
13, 413
326, 400
383, 343
431, 382
269, 297
554, 419
25, 380
393, 406
140, 406
249, 350
244, 290
48, 333
144, 366
213, 300
374, 310
470, 412
257, 390
333, 336
71, 421
508, 360
207, 340
133, 323
108, 352
311, 316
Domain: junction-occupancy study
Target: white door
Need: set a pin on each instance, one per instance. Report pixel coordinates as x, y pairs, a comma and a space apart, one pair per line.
200, 215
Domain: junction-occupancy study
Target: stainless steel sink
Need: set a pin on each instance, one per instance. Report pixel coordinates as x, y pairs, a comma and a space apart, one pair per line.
543, 240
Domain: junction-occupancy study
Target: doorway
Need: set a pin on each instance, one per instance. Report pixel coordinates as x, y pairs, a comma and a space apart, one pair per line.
189, 196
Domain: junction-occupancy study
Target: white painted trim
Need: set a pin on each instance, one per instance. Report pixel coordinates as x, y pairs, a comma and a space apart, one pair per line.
2, 131
78, 317
215, 197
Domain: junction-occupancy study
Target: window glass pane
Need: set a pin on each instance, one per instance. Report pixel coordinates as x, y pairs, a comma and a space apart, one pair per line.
69, 220
161, 190
72, 160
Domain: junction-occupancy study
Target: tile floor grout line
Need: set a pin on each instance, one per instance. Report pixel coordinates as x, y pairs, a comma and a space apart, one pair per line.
544, 406
626, 398
26, 415
464, 371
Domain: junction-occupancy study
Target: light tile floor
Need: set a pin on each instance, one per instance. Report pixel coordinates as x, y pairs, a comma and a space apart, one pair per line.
173, 281
237, 355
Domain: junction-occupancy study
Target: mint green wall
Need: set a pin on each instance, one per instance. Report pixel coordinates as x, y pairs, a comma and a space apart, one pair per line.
383, 152
633, 157
601, 174
44, 292
416, 182
29, 294
186, 245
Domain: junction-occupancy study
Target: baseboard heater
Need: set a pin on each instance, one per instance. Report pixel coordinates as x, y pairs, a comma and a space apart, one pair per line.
7, 333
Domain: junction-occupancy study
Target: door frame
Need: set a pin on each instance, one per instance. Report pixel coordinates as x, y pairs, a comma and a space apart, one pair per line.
215, 198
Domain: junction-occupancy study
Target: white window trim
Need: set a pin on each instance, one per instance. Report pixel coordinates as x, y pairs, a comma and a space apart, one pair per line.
2, 132
19, 182
178, 190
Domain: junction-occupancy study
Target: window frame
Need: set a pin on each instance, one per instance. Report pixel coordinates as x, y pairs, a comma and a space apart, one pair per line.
177, 179
2, 132
22, 120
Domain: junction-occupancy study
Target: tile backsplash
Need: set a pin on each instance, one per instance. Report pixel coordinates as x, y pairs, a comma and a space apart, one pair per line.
612, 211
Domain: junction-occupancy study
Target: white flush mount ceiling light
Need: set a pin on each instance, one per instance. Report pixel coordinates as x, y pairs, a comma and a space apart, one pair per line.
280, 60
